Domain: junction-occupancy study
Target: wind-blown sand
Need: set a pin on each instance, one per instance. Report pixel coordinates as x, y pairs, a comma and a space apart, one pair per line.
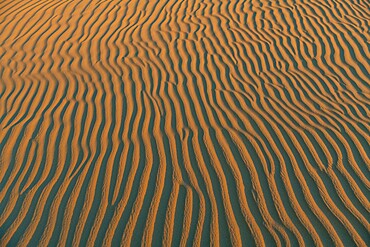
184, 122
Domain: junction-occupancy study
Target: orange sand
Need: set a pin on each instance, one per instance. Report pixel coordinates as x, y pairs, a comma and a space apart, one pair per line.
184, 122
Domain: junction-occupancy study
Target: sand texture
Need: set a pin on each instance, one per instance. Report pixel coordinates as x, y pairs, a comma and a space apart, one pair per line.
184, 122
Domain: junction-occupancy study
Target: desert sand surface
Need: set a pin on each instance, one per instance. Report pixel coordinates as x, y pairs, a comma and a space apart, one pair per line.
185, 123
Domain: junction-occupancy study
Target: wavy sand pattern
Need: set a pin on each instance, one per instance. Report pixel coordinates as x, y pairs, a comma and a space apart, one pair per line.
184, 122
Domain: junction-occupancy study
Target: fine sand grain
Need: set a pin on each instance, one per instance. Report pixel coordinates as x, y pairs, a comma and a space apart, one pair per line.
181, 122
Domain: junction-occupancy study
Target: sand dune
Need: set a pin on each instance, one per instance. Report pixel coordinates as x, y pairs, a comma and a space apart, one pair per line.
184, 122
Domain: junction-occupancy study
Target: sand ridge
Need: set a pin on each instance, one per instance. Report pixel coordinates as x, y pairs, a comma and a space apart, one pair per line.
184, 122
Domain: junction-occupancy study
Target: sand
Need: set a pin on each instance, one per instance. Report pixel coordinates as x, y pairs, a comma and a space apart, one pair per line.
165, 122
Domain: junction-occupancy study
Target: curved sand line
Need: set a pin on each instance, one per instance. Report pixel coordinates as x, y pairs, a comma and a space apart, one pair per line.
184, 122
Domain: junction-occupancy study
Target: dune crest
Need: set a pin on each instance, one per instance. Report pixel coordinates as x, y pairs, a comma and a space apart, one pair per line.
184, 122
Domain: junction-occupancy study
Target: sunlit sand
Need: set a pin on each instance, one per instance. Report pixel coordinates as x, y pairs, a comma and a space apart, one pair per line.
181, 123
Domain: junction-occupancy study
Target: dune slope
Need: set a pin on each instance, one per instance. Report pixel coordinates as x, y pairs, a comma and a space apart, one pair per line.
184, 122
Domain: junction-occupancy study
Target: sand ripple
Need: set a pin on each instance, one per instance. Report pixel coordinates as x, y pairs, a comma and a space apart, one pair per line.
184, 122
